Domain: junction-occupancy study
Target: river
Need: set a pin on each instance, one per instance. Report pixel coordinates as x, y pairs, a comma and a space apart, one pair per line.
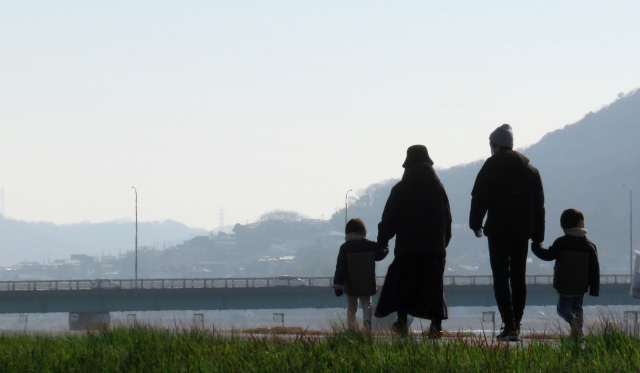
536, 319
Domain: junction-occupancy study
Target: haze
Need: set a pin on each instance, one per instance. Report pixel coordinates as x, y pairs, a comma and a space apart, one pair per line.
254, 106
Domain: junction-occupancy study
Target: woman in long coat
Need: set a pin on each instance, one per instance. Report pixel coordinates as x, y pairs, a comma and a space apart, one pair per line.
417, 212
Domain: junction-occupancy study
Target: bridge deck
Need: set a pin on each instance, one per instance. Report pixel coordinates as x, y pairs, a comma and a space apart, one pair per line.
253, 293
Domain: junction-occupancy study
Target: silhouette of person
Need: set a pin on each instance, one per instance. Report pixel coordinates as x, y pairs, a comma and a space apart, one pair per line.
508, 190
417, 212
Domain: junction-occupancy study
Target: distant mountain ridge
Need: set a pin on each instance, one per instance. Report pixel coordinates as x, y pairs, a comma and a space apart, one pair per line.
582, 166
39, 241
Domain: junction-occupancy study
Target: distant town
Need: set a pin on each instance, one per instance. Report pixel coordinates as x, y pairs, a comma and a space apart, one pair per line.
267, 248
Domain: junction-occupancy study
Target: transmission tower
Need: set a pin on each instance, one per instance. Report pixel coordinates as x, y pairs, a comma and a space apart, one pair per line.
221, 220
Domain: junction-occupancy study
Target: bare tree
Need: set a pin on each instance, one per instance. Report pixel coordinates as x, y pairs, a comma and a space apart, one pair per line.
281, 215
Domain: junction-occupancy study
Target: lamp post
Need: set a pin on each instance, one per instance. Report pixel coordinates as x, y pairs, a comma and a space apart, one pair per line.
136, 247
346, 206
630, 230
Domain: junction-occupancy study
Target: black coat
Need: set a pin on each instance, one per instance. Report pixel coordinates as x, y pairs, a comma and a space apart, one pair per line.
417, 213
356, 266
508, 189
577, 268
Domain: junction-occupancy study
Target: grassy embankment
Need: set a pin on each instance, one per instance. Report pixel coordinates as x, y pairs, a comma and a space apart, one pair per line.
151, 350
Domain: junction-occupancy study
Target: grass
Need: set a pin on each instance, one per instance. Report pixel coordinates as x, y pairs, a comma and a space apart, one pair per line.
147, 349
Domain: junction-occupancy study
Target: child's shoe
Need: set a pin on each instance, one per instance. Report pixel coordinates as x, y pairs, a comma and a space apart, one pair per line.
367, 326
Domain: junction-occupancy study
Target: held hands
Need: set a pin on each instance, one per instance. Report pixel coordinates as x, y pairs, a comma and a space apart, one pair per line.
338, 292
536, 246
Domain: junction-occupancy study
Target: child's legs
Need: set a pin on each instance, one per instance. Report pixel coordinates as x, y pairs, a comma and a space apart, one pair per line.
367, 311
577, 307
565, 307
352, 308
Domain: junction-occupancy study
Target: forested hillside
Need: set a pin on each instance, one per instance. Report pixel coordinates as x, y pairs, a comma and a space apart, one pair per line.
584, 166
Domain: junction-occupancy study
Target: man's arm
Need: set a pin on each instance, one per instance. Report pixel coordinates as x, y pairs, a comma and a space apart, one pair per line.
538, 210
479, 201
542, 253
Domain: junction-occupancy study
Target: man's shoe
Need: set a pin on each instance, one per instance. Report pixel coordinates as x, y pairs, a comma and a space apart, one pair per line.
508, 334
576, 327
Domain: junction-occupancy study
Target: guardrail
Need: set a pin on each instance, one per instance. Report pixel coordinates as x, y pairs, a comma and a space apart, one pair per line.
249, 282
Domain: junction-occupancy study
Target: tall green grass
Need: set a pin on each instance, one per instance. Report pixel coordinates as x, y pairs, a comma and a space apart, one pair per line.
145, 349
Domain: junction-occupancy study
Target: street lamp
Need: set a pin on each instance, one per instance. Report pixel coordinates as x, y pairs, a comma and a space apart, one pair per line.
136, 247
346, 206
630, 230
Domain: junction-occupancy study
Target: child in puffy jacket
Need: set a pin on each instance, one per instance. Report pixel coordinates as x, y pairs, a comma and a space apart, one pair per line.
356, 271
576, 270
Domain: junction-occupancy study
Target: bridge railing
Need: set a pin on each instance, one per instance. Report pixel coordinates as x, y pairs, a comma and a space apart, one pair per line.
249, 282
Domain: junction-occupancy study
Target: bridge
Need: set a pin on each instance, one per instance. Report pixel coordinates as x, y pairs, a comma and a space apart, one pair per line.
94, 299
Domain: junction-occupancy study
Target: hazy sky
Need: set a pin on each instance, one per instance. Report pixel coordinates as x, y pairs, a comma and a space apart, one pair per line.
261, 105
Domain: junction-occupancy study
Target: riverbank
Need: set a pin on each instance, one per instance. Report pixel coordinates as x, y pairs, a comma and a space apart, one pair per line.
143, 348
536, 319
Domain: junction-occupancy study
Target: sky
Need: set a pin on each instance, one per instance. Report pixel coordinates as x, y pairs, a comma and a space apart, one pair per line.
252, 106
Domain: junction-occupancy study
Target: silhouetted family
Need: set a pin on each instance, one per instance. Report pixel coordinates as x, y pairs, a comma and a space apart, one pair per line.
508, 191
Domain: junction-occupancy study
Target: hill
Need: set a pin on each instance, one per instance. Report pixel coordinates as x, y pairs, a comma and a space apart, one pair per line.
39, 241
582, 166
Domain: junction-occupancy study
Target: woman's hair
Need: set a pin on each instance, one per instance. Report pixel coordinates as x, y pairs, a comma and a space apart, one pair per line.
570, 218
355, 226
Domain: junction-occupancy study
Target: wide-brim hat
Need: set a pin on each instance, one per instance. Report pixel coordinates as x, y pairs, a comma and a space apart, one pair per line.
417, 154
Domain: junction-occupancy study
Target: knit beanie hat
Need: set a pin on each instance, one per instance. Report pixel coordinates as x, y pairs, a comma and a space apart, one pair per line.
417, 154
502, 136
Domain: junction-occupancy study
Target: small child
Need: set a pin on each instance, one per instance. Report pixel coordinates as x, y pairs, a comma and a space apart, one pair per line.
356, 271
576, 271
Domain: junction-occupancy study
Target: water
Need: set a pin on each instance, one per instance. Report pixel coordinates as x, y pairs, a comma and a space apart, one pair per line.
536, 319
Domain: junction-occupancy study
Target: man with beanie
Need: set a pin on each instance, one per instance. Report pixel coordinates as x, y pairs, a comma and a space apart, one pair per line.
508, 190
417, 213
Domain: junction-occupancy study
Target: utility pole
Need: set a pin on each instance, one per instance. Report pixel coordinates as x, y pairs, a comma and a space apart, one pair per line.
630, 230
136, 243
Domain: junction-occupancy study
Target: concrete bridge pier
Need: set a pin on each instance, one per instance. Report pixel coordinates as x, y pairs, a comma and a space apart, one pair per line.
89, 320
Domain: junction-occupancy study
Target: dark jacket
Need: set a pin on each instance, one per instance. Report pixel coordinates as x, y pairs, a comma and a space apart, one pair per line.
417, 213
356, 266
508, 189
577, 269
